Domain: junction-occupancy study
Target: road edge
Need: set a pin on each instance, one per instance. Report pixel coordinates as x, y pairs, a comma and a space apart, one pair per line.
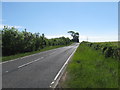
57, 78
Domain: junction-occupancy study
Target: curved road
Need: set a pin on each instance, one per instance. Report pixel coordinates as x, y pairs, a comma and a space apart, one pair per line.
37, 70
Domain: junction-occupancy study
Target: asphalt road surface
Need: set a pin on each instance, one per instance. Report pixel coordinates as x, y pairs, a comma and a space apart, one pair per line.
37, 70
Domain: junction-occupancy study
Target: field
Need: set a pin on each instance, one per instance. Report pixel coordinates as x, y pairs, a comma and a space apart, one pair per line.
90, 67
113, 44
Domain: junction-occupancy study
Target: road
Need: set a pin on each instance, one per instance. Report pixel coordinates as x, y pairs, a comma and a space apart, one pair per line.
37, 70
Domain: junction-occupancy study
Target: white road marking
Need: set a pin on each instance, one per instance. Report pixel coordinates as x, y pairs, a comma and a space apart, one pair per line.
26, 56
17, 59
27, 63
62, 69
52, 53
6, 71
64, 65
30, 62
52, 82
21, 58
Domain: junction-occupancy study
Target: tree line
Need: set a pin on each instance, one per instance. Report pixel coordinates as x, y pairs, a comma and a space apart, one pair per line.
14, 41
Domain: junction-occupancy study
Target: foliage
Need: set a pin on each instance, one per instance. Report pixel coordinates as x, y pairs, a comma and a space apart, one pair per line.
75, 36
14, 41
90, 69
109, 49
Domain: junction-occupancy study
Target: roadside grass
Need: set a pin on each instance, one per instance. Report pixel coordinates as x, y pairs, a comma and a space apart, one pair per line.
90, 69
6, 58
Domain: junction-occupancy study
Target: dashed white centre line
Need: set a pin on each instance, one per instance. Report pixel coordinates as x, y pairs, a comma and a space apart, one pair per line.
29, 62
6, 71
51, 53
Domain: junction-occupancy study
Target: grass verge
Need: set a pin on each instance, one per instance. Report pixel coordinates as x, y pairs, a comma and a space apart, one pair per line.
90, 69
6, 58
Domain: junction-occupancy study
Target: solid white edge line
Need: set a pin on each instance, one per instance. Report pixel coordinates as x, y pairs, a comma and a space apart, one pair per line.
63, 67
17, 59
52, 82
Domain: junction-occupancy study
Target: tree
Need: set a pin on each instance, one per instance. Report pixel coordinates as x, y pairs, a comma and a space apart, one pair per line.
14, 41
75, 36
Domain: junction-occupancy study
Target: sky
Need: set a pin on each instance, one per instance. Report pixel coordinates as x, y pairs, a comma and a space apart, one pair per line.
95, 21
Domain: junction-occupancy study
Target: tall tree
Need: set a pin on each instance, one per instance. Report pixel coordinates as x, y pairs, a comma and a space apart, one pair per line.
75, 36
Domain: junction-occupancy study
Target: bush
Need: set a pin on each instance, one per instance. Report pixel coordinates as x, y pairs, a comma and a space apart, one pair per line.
116, 53
106, 48
109, 52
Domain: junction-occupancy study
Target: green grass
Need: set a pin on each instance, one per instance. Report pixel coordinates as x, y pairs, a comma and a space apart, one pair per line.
90, 69
6, 58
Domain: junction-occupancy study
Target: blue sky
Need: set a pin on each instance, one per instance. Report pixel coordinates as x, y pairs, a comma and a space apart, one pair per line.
96, 20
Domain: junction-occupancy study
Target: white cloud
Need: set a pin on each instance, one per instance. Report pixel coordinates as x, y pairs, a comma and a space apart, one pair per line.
9, 26
57, 36
99, 38
1, 26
